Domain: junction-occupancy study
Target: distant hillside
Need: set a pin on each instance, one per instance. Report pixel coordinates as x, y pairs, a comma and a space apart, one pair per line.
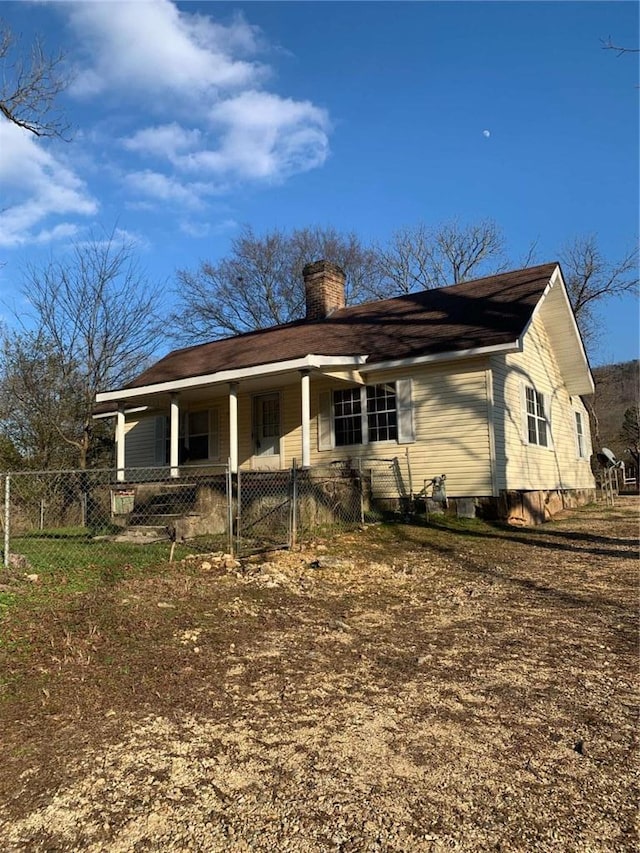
617, 388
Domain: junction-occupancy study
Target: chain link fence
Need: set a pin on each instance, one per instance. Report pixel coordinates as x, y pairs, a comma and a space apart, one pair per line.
74, 519
61, 519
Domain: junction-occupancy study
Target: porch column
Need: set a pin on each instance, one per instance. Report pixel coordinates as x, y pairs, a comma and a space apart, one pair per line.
233, 426
120, 472
174, 430
306, 418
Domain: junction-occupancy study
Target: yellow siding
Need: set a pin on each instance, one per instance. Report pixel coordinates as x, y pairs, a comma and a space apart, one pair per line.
520, 465
451, 427
468, 420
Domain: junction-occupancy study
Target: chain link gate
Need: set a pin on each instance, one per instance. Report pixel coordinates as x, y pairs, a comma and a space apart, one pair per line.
278, 509
264, 518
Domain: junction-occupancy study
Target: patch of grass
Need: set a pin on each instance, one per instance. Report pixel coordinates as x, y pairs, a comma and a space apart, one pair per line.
68, 562
81, 533
6, 600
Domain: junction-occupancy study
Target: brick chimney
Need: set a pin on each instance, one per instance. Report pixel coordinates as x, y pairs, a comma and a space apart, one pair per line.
324, 289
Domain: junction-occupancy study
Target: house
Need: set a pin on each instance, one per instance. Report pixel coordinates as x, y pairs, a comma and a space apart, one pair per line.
481, 380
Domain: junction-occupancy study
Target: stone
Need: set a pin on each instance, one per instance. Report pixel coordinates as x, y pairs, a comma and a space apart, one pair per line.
331, 563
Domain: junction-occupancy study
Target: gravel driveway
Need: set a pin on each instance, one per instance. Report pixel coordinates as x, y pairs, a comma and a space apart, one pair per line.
402, 688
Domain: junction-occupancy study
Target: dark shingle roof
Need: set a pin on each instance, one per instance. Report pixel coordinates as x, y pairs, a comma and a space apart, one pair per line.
486, 312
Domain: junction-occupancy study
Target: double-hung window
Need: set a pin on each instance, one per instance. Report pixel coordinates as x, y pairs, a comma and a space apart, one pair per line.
382, 413
366, 414
581, 444
196, 436
198, 440
347, 416
536, 417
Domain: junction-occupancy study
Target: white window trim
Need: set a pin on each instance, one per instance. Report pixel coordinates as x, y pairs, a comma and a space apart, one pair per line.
546, 402
404, 417
212, 456
585, 454
161, 435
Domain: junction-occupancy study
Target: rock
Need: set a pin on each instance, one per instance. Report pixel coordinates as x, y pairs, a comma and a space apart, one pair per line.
33, 578
339, 625
164, 605
205, 566
331, 563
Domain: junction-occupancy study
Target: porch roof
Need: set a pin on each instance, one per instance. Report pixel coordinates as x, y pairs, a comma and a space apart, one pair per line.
486, 314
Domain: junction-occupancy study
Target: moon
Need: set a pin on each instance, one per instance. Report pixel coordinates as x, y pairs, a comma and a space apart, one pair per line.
486, 133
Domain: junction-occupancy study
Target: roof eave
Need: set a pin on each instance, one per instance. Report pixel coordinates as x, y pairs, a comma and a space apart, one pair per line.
225, 376
577, 376
448, 355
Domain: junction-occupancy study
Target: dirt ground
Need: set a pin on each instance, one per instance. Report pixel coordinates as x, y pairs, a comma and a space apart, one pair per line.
406, 688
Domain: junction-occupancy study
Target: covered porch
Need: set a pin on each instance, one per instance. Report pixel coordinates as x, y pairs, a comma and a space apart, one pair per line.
258, 417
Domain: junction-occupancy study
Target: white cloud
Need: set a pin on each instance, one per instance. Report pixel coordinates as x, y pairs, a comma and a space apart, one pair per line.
266, 136
195, 70
165, 188
192, 121
153, 47
166, 140
36, 185
259, 136
63, 231
204, 229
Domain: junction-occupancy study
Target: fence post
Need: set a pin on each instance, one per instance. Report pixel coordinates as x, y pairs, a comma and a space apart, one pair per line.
239, 512
7, 518
293, 516
230, 508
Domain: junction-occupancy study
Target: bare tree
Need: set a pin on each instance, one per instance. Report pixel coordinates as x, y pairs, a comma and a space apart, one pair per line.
29, 88
592, 279
39, 403
93, 324
420, 257
608, 44
630, 432
259, 284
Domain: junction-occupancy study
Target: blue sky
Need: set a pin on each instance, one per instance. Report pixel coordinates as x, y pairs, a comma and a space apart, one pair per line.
192, 119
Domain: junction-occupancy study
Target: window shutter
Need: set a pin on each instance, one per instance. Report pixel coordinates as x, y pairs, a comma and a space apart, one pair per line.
186, 423
406, 432
325, 422
525, 417
547, 414
214, 434
586, 429
161, 440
